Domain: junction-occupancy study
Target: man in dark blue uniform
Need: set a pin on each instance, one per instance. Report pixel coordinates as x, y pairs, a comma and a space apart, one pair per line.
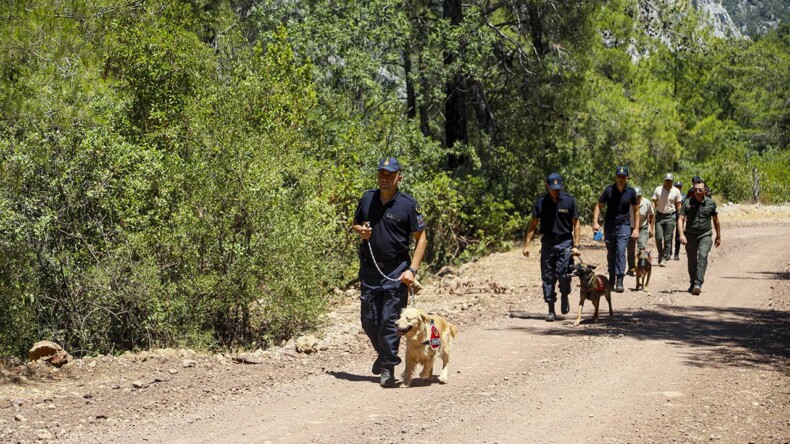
559, 225
620, 200
386, 219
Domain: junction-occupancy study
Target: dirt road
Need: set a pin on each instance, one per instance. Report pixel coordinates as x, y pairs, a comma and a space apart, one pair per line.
668, 367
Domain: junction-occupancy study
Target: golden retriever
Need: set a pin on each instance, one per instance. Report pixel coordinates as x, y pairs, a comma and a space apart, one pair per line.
427, 335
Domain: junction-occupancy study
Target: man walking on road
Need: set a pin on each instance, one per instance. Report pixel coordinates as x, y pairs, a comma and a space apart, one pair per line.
385, 220
559, 225
620, 201
679, 186
645, 230
695, 226
666, 199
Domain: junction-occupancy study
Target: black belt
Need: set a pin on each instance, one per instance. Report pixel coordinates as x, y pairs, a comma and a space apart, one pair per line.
384, 264
558, 239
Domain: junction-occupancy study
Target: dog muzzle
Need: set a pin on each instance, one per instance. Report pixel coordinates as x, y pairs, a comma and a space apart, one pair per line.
403, 331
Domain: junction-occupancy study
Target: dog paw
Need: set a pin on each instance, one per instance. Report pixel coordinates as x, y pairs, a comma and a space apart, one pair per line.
404, 385
442, 379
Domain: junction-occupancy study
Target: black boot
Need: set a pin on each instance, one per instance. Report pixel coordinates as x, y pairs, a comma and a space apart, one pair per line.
619, 287
552, 316
376, 370
387, 379
565, 306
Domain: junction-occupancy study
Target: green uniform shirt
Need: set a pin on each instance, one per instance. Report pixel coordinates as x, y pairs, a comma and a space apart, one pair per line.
698, 216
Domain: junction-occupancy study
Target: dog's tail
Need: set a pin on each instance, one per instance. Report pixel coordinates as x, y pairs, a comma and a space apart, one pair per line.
453, 331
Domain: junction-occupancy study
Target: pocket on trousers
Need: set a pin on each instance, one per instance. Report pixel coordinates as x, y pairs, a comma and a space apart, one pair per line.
368, 309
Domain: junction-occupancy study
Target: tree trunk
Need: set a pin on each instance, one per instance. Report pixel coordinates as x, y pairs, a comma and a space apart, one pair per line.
455, 105
536, 23
411, 99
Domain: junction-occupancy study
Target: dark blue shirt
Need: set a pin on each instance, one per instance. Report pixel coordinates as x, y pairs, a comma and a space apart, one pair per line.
393, 224
556, 219
618, 204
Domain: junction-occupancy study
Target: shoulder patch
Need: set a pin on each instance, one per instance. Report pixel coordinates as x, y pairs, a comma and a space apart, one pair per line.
417, 209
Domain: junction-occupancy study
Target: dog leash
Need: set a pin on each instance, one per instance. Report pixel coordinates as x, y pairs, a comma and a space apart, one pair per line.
413, 296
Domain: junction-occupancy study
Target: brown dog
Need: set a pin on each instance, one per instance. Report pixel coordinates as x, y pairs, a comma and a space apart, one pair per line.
427, 335
644, 269
592, 287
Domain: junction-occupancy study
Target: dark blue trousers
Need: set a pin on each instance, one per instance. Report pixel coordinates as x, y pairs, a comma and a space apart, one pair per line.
554, 260
616, 239
382, 302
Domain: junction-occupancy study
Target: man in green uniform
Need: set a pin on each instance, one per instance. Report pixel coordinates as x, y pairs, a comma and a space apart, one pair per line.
695, 219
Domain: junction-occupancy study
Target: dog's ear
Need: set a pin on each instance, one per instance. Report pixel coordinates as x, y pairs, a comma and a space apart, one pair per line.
592, 267
425, 318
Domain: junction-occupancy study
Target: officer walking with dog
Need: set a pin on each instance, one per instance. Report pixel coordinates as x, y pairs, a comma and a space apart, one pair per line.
385, 220
666, 199
559, 224
695, 220
645, 229
620, 201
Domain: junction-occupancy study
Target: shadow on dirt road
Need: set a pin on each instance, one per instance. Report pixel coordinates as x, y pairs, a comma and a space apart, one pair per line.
725, 336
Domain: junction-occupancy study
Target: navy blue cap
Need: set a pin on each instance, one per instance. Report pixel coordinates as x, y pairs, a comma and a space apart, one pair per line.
679, 184
621, 171
390, 164
696, 179
554, 181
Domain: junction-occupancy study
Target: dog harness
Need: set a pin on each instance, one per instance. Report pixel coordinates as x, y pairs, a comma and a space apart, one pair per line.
599, 287
436, 339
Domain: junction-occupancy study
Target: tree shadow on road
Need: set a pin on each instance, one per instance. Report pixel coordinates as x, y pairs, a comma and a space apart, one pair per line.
741, 337
763, 275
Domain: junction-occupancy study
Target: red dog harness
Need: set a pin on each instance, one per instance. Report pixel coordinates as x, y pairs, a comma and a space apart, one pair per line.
436, 338
600, 287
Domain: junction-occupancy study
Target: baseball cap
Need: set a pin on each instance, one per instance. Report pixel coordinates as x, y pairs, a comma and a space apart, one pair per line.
696, 179
669, 176
621, 171
638, 191
554, 180
390, 164
679, 184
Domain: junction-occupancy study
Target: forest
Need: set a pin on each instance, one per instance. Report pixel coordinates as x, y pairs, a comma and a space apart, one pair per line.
184, 173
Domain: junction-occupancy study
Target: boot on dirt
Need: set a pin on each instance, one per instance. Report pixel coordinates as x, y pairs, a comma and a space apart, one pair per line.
552, 316
376, 370
619, 286
565, 306
387, 379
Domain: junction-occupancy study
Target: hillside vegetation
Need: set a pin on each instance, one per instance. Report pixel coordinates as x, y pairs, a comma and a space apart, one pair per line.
184, 172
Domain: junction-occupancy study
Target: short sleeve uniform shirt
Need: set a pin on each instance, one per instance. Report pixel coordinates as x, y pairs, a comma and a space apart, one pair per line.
618, 204
699, 216
556, 219
393, 223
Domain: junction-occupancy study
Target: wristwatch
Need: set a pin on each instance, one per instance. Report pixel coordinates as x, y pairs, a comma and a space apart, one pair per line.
413, 271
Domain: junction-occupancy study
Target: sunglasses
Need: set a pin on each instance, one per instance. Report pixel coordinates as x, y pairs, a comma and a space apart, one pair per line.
699, 190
